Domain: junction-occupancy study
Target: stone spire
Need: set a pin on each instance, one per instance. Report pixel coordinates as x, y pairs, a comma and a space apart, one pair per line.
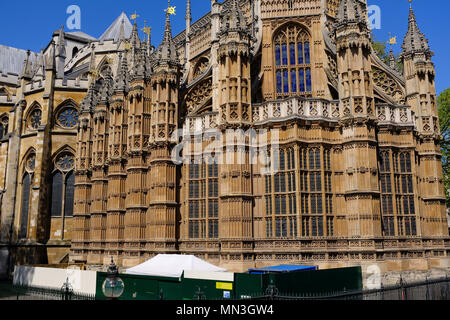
92, 60
40, 65
107, 88
167, 49
60, 54
236, 17
188, 11
135, 40
140, 66
27, 67
121, 83
91, 99
414, 39
50, 65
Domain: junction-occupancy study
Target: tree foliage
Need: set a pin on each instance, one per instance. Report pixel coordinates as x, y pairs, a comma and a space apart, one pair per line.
382, 53
444, 120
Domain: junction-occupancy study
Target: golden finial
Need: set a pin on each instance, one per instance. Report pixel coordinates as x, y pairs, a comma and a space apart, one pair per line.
134, 16
146, 30
170, 10
392, 40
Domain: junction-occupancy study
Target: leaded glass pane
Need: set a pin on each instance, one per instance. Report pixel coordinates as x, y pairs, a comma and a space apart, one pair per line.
277, 55
69, 196
307, 53
285, 81
301, 80
308, 80
284, 53
300, 53
292, 53
279, 82
57, 188
293, 80
68, 117
26, 188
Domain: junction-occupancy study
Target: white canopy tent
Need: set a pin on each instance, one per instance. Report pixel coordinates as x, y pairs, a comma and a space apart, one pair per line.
172, 265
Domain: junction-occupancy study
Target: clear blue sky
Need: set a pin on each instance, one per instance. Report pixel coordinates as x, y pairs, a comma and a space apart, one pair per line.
29, 24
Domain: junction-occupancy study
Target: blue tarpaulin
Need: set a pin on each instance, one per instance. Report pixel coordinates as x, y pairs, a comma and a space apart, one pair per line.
282, 269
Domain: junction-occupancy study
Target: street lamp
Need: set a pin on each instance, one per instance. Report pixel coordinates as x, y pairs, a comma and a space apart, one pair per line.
113, 286
66, 290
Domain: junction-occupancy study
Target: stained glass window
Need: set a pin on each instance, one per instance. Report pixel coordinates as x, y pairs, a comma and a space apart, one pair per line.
35, 119
26, 189
57, 189
66, 162
68, 117
292, 53
69, 195
63, 186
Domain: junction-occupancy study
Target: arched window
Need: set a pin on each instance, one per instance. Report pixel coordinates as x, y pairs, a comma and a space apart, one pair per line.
74, 51
292, 48
34, 119
201, 67
3, 126
29, 168
63, 182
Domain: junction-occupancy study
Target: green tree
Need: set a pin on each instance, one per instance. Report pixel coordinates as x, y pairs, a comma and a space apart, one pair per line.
444, 120
382, 53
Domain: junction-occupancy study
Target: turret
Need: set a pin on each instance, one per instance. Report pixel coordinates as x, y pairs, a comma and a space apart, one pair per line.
234, 67
419, 73
357, 121
354, 66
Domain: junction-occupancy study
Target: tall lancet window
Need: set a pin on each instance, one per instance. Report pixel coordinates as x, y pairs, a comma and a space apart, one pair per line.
292, 46
63, 181
27, 180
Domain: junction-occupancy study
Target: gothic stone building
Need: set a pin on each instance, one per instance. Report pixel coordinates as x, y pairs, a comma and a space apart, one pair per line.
87, 143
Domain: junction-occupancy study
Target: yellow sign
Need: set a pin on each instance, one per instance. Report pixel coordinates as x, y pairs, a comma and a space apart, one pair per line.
224, 286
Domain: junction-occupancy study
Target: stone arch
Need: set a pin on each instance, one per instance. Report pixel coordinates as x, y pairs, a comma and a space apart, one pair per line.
200, 67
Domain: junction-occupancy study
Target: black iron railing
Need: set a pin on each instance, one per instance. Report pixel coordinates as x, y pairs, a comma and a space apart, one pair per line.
425, 290
43, 293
